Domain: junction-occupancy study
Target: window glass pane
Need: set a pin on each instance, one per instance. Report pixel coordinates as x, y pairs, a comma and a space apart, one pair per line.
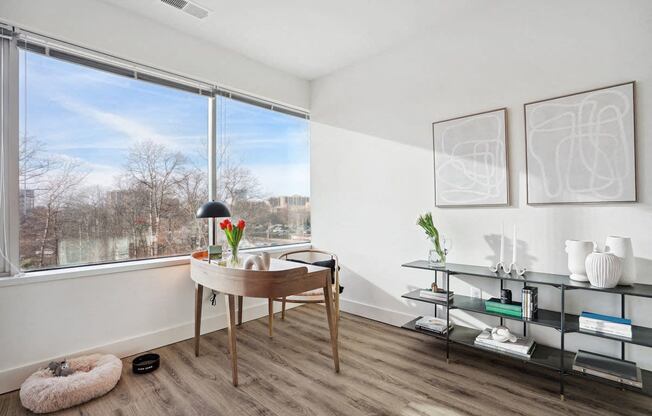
111, 168
264, 172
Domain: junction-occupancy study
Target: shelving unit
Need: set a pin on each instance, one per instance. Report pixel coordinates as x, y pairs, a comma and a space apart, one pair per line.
556, 359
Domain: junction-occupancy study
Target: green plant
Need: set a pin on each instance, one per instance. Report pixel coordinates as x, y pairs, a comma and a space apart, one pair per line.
425, 221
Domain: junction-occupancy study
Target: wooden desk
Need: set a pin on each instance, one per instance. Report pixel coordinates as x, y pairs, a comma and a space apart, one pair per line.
284, 278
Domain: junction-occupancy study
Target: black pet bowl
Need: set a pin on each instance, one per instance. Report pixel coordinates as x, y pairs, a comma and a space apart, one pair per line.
145, 363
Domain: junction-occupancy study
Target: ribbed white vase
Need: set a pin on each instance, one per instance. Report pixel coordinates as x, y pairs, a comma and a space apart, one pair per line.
603, 269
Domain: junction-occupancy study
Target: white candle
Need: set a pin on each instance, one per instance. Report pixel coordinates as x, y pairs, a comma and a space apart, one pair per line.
502, 243
514, 247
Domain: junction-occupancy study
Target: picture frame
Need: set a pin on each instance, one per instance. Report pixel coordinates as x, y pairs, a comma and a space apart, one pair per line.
471, 166
581, 147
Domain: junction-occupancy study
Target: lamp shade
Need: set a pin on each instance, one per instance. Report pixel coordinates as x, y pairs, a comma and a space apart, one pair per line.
213, 209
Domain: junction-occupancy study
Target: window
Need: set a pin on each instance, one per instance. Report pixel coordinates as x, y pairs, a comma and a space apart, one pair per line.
110, 160
111, 168
264, 171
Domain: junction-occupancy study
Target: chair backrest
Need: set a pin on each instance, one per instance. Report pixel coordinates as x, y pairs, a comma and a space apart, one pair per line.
335, 272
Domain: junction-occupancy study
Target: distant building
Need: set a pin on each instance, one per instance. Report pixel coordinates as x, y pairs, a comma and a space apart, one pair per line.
26, 200
294, 201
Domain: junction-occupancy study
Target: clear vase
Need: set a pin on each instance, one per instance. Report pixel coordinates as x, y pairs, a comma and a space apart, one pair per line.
234, 258
436, 258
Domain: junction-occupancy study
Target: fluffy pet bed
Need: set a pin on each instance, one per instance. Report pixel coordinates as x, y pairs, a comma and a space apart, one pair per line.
94, 375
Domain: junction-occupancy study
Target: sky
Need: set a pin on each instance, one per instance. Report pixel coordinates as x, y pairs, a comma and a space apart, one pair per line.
94, 117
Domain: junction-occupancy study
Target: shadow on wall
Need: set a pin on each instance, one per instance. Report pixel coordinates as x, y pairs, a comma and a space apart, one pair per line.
524, 259
643, 270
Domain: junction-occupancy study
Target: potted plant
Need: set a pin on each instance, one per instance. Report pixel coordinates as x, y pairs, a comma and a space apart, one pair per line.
437, 255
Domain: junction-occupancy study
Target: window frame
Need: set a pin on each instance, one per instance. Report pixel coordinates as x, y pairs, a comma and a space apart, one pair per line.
9, 206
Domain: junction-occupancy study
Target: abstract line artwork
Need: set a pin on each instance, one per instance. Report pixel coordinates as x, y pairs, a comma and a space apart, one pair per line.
471, 160
581, 147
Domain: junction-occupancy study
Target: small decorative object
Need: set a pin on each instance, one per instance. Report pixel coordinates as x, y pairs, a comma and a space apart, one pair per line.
233, 236
622, 247
471, 160
437, 255
146, 363
502, 334
505, 296
434, 288
603, 269
580, 148
577, 252
93, 376
60, 368
513, 266
261, 262
214, 253
529, 302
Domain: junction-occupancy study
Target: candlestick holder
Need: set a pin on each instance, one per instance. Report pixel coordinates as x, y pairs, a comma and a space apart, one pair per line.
514, 267
497, 267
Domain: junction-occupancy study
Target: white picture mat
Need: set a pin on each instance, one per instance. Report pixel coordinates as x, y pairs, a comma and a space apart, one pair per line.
581, 147
471, 160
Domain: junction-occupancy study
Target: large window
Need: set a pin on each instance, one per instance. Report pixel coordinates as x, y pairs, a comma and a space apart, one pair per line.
264, 172
113, 168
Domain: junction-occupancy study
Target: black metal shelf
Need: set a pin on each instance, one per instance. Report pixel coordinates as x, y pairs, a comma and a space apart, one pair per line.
543, 355
557, 359
544, 317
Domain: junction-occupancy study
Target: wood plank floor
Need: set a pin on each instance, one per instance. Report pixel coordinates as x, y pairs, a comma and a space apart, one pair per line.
384, 371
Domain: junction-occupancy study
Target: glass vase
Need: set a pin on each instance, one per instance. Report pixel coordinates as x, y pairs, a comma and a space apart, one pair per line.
436, 258
234, 258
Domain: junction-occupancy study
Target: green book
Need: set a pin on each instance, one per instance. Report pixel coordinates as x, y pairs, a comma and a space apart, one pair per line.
495, 302
503, 311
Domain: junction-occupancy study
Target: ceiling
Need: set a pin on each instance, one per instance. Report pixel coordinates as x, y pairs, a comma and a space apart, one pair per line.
307, 38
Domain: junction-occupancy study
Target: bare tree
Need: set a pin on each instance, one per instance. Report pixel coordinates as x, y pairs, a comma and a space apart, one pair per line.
157, 169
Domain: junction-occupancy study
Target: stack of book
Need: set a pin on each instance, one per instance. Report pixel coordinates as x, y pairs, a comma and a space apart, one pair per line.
605, 324
432, 324
510, 309
440, 295
522, 348
598, 365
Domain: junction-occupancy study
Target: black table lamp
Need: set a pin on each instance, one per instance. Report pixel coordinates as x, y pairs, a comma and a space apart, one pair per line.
213, 209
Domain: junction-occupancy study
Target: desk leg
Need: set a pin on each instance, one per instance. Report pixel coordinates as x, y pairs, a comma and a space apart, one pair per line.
230, 311
270, 312
199, 294
332, 322
239, 310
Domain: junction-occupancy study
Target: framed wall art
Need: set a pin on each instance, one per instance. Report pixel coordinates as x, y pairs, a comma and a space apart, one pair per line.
581, 148
470, 155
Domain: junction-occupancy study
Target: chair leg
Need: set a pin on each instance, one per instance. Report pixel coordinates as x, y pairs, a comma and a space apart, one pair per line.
283, 309
270, 311
332, 324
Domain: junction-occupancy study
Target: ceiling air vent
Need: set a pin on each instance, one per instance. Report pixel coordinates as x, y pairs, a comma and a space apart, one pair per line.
191, 8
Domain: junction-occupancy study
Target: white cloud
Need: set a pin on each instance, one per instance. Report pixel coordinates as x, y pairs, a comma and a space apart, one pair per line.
286, 179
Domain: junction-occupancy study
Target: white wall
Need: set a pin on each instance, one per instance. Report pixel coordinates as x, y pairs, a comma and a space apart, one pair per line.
128, 312
113, 30
372, 162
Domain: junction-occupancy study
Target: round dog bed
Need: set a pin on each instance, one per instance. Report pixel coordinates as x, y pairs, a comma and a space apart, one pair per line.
94, 375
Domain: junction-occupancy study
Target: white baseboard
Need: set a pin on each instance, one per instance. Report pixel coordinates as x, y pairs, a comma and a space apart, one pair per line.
12, 378
376, 313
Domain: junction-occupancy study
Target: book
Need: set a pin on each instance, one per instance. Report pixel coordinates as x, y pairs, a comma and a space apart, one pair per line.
431, 323
607, 327
495, 302
606, 318
599, 365
439, 295
506, 312
214, 253
523, 347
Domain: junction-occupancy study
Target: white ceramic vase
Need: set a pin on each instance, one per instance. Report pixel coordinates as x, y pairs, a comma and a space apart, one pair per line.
622, 247
577, 252
603, 269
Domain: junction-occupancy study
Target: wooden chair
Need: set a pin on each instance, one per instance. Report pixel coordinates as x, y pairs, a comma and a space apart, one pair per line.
313, 296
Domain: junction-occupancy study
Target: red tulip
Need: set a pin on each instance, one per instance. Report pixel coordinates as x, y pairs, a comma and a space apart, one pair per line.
241, 224
229, 226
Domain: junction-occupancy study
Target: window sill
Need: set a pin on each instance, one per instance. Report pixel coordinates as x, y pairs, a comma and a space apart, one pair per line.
136, 265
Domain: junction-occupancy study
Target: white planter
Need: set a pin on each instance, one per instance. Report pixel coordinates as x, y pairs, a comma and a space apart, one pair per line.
622, 247
577, 252
603, 269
